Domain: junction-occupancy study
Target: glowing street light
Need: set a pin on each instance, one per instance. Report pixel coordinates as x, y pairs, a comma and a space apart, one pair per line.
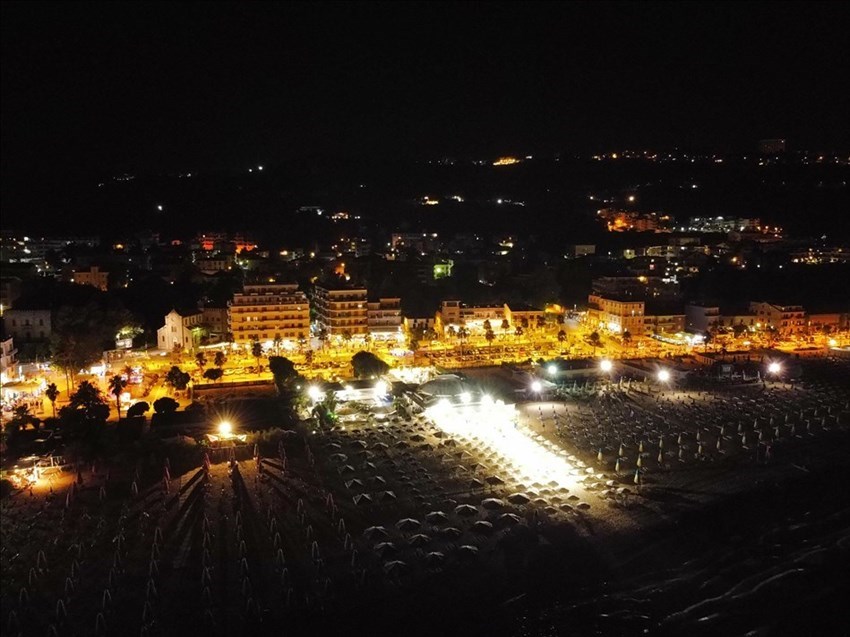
833, 342
381, 388
536, 387
225, 429
314, 393
552, 369
465, 397
663, 375
774, 368
606, 365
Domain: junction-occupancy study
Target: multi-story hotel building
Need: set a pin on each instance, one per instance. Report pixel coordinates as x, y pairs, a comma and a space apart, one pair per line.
341, 311
786, 319
616, 315
383, 318
268, 312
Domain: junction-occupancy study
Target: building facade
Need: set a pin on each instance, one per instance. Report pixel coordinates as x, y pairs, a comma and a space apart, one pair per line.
8, 360
786, 319
28, 325
341, 311
383, 318
616, 315
180, 331
269, 312
94, 277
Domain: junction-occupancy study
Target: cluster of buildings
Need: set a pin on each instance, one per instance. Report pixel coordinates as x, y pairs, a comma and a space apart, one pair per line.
283, 315
632, 221
646, 306
280, 314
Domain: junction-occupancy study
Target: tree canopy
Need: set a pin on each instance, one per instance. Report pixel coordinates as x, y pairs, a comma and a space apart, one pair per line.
177, 378
284, 373
366, 364
81, 334
165, 405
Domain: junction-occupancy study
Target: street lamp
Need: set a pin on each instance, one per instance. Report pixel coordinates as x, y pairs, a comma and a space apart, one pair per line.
314, 393
663, 375
536, 387
774, 368
225, 429
606, 365
381, 388
552, 369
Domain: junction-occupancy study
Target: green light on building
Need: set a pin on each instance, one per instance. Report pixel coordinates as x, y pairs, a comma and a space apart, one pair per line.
443, 270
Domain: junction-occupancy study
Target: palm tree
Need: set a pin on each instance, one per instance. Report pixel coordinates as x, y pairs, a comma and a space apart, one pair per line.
462, 334
52, 393
489, 335
562, 336
116, 387
220, 359
595, 341
257, 352
201, 361
276, 343
518, 331
505, 326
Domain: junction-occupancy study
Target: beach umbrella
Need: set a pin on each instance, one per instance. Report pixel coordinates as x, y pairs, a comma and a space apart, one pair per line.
408, 524
396, 567
436, 517
385, 548
450, 532
466, 510
493, 503
508, 519
375, 532
518, 498
419, 540
467, 551
493, 480
482, 527
435, 558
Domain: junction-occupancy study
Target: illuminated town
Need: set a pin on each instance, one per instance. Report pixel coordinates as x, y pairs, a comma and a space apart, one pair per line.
346, 381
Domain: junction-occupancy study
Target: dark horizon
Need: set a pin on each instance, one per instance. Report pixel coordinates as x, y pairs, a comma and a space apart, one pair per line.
161, 88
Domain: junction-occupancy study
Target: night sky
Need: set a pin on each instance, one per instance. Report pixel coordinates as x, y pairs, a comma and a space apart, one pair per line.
114, 87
